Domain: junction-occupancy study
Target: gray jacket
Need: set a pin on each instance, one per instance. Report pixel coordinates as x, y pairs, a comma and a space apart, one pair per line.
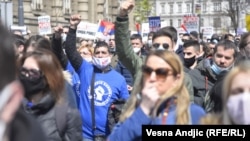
203, 78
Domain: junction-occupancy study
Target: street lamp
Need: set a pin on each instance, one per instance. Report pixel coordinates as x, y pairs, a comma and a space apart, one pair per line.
198, 12
20, 13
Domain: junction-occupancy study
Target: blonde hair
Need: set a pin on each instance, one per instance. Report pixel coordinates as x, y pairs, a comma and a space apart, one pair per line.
90, 48
178, 90
242, 67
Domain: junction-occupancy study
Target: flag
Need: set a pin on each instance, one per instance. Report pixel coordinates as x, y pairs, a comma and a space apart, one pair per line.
184, 27
106, 28
137, 25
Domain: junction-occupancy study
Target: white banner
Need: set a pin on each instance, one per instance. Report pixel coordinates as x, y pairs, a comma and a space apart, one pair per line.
23, 29
191, 21
207, 31
44, 25
86, 30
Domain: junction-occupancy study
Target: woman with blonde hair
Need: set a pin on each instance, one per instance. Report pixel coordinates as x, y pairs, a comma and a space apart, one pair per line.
160, 98
86, 51
236, 97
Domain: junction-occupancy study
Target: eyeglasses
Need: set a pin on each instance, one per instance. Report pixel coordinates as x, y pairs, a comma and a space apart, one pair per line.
160, 72
157, 45
111, 39
30, 73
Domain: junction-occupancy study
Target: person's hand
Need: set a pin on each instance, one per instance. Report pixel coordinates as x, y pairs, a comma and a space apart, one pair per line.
16, 91
126, 7
150, 96
58, 31
129, 88
74, 21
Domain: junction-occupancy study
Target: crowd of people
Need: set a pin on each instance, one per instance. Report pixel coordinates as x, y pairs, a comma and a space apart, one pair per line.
62, 88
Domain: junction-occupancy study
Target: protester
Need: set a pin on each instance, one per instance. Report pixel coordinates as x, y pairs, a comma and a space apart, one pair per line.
15, 125
161, 98
37, 41
236, 98
163, 39
210, 70
86, 52
97, 89
42, 77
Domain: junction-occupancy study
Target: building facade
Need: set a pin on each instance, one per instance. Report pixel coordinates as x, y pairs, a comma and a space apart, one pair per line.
212, 13
60, 11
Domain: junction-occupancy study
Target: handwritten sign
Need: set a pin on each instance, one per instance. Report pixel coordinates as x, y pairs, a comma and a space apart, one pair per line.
44, 25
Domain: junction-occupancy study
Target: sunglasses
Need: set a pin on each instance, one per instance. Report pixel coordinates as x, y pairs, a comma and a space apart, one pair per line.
33, 74
160, 72
164, 45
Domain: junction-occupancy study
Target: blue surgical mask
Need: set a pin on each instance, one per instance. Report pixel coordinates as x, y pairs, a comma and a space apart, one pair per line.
217, 70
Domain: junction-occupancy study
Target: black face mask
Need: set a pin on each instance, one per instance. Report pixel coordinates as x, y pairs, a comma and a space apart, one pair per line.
32, 86
189, 61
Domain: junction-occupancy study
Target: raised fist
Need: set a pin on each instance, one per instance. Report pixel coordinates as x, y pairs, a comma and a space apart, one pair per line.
126, 7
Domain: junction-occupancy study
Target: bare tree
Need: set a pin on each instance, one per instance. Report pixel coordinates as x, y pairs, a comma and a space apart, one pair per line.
143, 10
233, 11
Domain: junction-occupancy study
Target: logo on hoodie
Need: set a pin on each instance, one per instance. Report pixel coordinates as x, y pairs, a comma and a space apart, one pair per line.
102, 93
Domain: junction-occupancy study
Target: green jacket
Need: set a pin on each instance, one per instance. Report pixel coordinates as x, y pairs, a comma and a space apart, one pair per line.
132, 61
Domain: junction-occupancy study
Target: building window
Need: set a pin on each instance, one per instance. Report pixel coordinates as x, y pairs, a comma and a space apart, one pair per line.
171, 8
179, 8
37, 5
217, 22
202, 22
188, 8
163, 8
179, 22
171, 22
204, 8
217, 6
66, 6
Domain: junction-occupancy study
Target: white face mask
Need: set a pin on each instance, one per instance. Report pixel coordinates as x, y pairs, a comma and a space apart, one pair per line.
101, 63
136, 49
150, 43
88, 59
64, 36
238, 108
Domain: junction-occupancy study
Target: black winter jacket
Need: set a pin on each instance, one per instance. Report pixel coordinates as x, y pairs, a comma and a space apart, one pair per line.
44, 112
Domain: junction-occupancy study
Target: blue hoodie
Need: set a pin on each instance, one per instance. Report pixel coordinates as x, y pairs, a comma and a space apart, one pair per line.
131, 128
75, 78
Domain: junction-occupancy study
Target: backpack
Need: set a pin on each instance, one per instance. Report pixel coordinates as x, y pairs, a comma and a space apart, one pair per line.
61, 118
114, 112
